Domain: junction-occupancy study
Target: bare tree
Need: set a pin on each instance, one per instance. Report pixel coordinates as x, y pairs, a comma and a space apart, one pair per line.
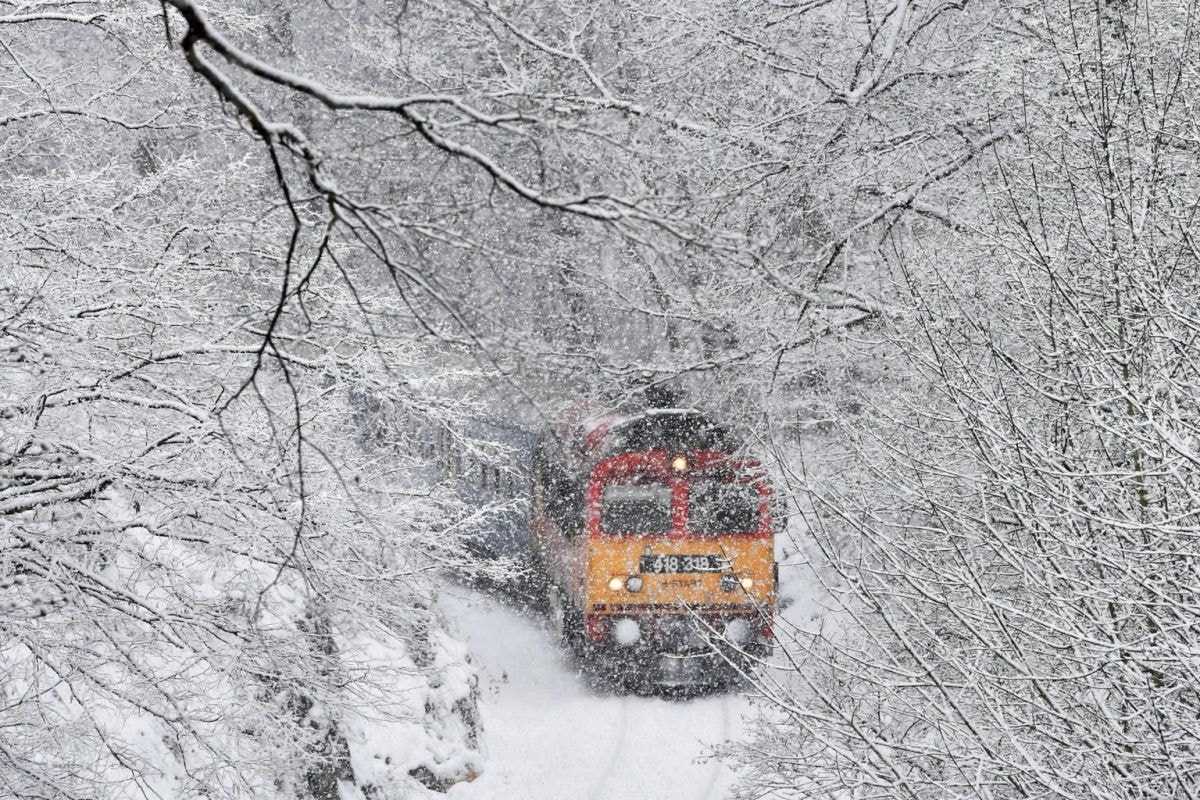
1012, 549
204, 577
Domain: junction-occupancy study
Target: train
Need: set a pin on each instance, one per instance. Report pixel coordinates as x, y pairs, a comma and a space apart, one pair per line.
653, 535
646, 533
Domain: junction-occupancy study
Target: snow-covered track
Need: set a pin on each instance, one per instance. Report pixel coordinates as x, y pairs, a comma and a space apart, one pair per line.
617, 750
549, 732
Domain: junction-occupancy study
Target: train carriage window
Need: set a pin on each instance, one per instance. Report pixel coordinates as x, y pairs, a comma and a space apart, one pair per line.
715, 508
636, 508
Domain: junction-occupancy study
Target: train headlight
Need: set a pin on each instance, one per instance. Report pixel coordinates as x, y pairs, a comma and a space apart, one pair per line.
616, 584
747, 583
728, 583
737, 631
634, 583
627, 632
679, 463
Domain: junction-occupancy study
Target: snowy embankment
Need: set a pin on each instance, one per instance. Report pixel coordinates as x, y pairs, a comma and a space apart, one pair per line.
548, 734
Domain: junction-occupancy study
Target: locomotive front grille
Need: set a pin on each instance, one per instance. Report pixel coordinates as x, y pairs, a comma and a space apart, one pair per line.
680, 634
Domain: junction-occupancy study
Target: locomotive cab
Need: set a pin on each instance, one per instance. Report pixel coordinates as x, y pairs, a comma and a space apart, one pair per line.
656, 538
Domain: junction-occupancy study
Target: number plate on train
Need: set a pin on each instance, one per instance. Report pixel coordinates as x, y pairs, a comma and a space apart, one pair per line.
665, 564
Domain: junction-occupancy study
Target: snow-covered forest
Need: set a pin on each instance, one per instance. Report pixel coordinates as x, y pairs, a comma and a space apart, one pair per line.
267, 265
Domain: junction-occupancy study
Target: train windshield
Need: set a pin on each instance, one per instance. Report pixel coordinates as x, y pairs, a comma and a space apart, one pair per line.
715, 508
636, 508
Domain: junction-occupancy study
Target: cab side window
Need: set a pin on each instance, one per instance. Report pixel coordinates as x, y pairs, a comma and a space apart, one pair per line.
564, 500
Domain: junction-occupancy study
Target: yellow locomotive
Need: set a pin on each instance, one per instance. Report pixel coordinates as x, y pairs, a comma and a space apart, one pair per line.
655, 540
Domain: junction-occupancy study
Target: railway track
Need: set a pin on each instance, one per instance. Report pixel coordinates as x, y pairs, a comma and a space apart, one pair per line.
549, 732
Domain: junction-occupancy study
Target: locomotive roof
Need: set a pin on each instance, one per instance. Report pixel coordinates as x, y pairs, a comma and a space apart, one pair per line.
655, 429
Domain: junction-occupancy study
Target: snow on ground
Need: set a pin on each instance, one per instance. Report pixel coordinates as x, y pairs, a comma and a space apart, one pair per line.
548, 734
